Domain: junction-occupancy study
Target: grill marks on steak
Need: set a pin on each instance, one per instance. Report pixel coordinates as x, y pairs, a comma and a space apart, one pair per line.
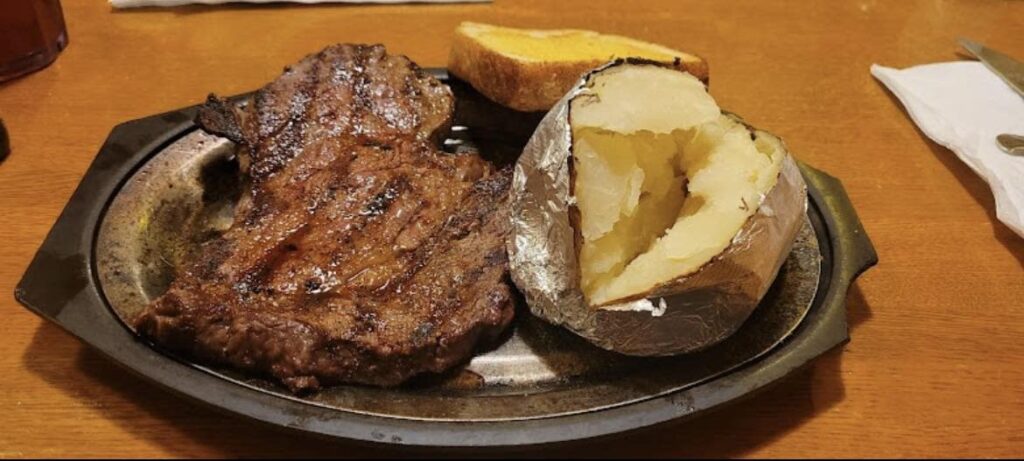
359, 252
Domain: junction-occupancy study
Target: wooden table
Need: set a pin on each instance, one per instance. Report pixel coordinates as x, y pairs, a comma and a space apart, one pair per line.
936, 363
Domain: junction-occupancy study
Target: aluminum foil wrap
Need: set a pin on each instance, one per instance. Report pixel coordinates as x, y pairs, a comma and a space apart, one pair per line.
682, 315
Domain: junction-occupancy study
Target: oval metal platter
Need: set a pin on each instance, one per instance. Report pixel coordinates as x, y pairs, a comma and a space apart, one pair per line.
160, 185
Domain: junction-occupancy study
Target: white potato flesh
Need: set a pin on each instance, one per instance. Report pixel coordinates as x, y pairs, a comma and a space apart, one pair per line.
614, 104
664, 185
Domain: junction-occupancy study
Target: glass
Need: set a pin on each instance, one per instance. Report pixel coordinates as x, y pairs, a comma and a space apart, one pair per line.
32, 33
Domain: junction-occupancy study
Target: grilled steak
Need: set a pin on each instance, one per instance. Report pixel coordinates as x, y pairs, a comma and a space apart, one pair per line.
359, 252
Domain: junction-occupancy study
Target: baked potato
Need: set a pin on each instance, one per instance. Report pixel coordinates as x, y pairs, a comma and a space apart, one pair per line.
644, 218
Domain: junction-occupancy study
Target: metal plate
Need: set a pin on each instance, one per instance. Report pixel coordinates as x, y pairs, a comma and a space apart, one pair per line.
159, 186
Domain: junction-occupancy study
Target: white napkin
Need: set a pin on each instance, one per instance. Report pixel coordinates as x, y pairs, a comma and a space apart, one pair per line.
138, 3
964, 106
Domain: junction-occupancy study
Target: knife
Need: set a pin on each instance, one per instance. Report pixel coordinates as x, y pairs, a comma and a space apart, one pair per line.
1007, 68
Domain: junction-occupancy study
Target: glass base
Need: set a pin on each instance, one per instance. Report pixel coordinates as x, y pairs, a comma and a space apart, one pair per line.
34, 61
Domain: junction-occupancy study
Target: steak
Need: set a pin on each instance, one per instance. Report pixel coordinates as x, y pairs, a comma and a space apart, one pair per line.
359, 252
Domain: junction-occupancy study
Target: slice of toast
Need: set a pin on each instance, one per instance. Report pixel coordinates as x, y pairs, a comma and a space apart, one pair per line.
530, 70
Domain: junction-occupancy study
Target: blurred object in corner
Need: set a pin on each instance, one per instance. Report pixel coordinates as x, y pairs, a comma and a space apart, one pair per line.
166, 3
32, 34
5, 142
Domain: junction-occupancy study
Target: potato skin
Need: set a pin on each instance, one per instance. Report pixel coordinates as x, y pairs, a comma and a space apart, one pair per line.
528, 86
683, 315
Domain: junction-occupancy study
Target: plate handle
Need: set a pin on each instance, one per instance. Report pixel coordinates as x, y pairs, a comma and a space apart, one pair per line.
849, 238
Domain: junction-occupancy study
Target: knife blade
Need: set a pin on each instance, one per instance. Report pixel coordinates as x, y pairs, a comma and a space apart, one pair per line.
1007, 68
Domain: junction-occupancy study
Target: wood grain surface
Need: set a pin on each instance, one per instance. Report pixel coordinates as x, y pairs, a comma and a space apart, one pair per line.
936, 362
